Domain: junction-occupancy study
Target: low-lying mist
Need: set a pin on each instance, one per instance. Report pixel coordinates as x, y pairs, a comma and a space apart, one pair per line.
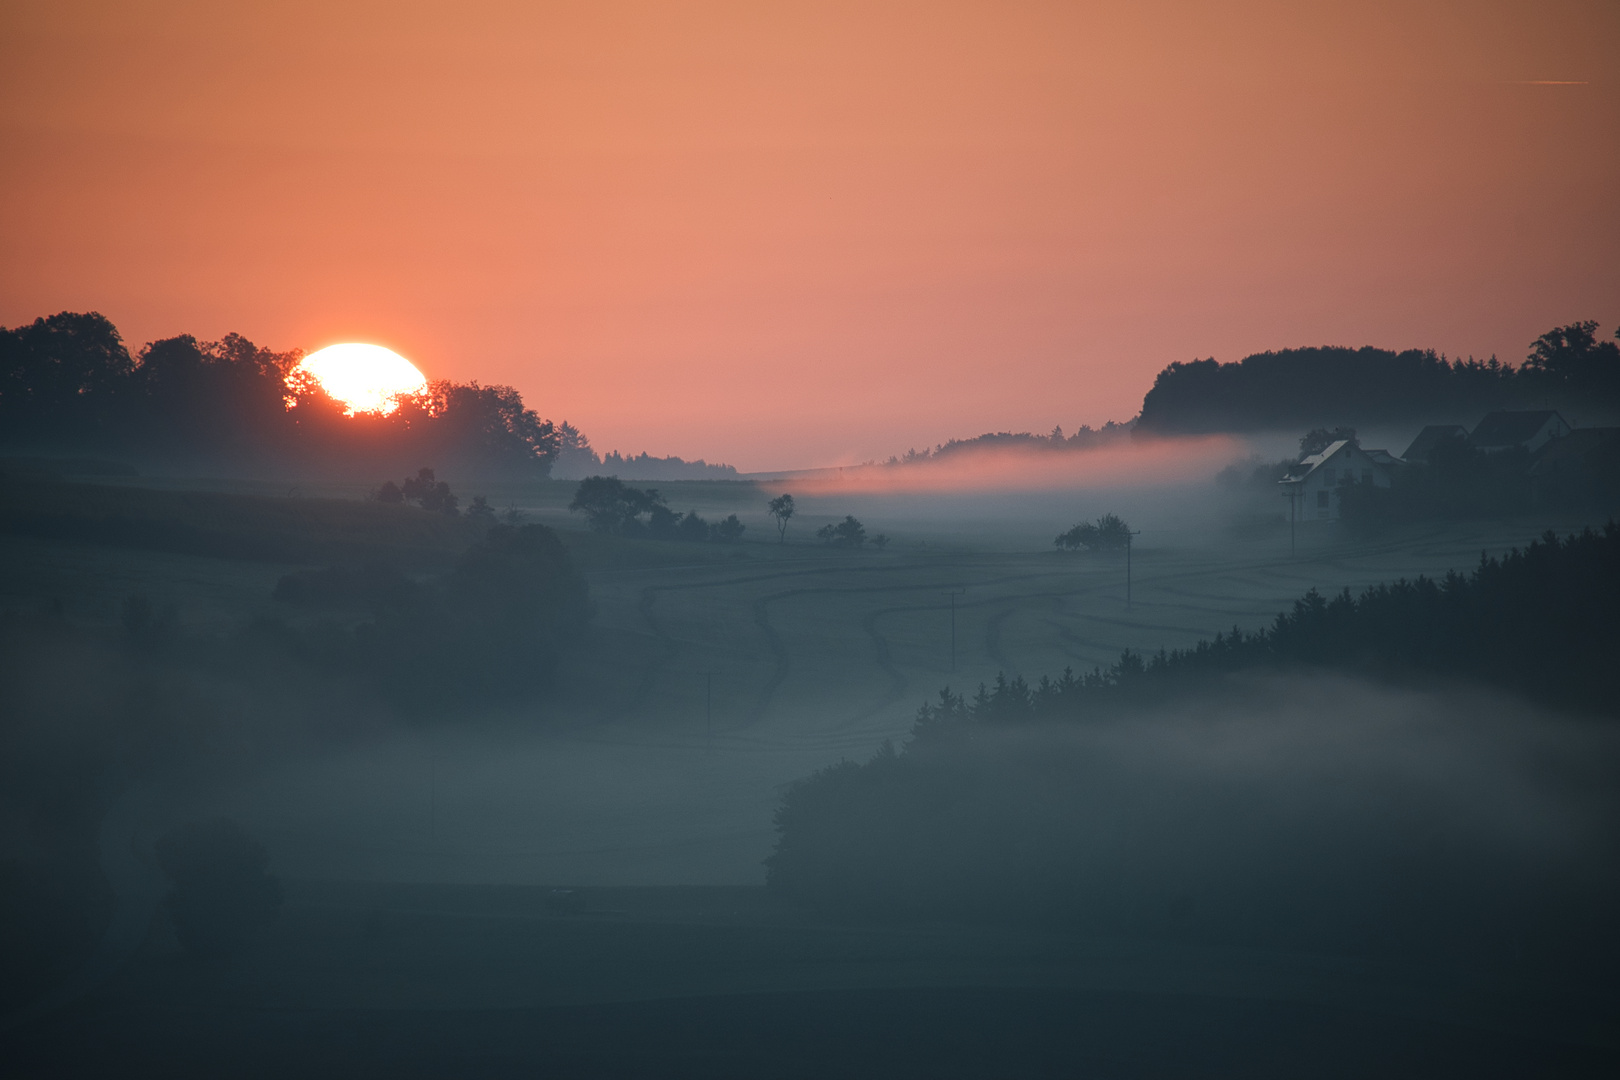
1122, 462
1303, 812
1018, 495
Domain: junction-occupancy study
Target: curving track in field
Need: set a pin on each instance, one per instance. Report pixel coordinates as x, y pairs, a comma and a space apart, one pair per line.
1088, 637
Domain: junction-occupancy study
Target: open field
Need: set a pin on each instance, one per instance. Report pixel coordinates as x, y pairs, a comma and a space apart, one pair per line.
393, 980
711, 680
713, 675
420, 924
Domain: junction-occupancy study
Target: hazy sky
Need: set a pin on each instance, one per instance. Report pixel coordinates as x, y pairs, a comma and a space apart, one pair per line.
778, 234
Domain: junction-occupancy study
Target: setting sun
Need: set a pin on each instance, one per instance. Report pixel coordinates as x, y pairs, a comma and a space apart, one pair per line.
366, 378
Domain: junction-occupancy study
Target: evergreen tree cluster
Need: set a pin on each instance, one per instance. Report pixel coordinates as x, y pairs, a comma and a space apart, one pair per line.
1126, 819
1537, 621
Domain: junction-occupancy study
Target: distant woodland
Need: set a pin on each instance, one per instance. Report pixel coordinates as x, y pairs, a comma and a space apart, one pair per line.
68, 384
1569, 368
577, 459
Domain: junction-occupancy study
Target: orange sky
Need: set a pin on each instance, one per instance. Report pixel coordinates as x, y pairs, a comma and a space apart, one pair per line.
782, 235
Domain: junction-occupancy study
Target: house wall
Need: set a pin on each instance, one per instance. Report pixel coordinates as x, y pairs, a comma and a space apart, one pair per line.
1554, 428
1349, 465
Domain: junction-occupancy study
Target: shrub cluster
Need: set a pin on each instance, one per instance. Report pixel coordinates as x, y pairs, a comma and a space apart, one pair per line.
1107, 533
611, 506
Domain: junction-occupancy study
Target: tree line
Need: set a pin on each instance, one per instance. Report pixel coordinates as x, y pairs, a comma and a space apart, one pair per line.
68, 383
1085, 437
1019, 801
1569, 366
1537, 621
577, 459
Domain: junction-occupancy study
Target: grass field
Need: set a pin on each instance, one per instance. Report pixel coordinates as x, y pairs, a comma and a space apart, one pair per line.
718, 675
395, 980
420, 859
713, 674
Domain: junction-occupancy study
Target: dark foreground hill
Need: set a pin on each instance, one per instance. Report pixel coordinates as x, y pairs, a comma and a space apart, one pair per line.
1351, 780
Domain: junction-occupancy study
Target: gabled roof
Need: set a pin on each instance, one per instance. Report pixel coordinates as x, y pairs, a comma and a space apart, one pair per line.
1383, 457
1426, 439
1311, 462
1575, 446
1511, 428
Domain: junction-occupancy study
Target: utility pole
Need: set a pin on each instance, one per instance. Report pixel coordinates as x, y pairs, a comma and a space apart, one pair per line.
953, 594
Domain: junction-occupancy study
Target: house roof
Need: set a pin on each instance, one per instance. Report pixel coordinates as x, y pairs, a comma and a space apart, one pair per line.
1511, 428
1383, 457
1429, 436
1575, 446
1311, 462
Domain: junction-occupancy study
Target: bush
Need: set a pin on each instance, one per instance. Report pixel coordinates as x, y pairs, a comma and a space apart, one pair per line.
847, 533
610, 506
1108, 533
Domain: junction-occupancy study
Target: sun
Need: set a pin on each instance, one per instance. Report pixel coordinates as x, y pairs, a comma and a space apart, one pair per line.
366, 378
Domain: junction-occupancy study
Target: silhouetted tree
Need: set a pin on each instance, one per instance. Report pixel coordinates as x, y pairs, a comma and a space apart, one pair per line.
846, 533
68, 380
1571, 356
1108, 532
62, 378
431, 494
782, 509
610, 506
693, 528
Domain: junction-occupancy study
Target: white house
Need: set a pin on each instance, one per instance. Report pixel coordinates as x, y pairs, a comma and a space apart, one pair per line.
1312, 486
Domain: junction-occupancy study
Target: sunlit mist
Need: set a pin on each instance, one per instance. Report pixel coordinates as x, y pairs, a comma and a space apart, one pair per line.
1020, 468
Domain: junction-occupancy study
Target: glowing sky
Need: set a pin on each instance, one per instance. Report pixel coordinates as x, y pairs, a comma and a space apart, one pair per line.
366, 378
778, 234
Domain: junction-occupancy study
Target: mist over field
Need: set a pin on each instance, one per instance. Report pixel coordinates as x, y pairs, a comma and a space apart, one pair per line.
718, 542
1312, 811
455, 795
